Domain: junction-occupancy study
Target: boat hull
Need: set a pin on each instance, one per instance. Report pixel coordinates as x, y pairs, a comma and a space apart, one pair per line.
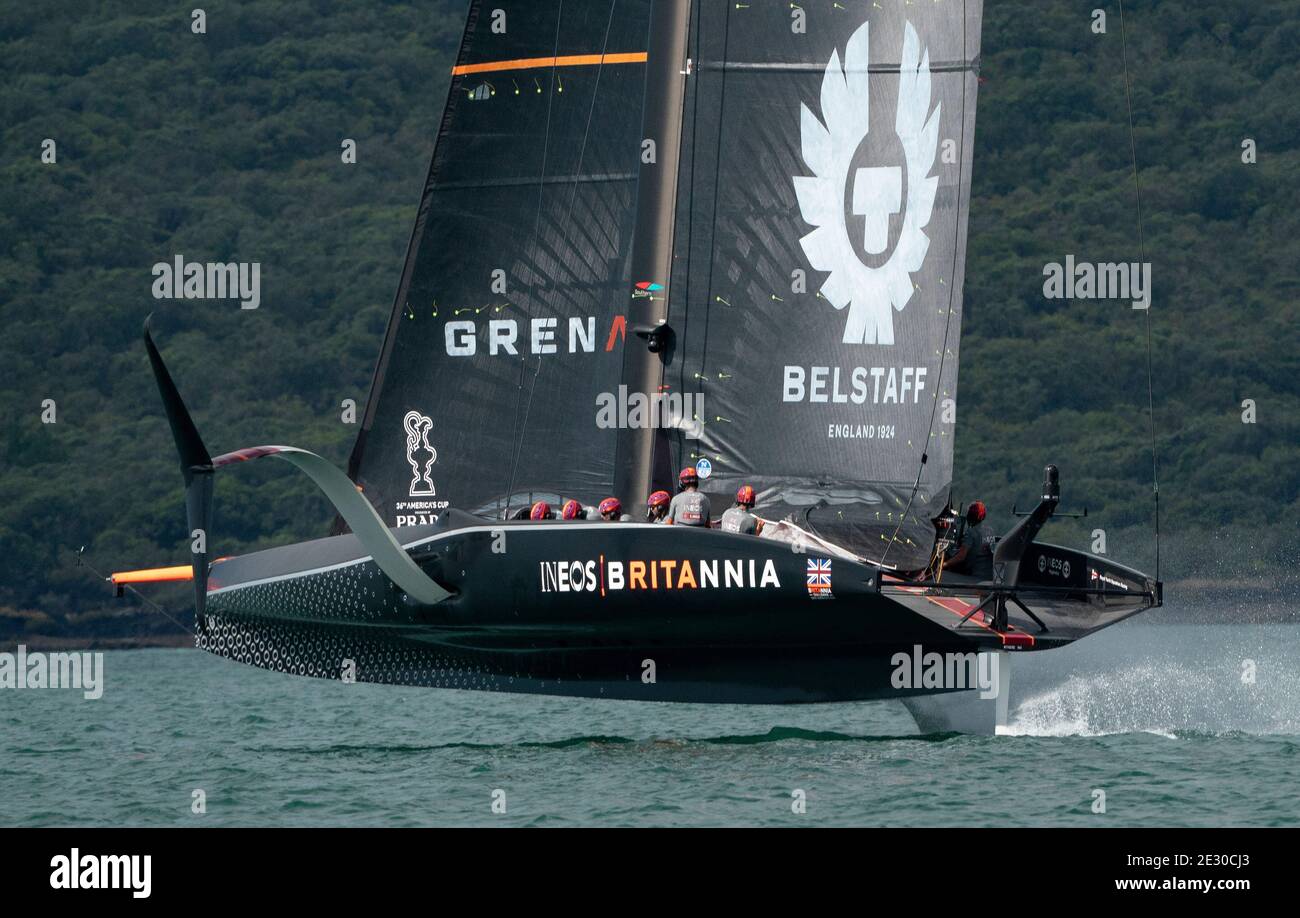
628, 611
681, 674
625, 611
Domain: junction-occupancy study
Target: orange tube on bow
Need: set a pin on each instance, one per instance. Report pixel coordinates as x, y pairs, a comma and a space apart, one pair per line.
154, 575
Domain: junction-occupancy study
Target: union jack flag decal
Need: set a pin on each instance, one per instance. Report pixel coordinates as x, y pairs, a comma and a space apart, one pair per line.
819, 578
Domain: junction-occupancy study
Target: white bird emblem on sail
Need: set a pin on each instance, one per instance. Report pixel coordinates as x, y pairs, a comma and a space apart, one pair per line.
877, 191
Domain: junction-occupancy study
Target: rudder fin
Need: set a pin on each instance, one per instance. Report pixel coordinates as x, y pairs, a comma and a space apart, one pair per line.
198, 467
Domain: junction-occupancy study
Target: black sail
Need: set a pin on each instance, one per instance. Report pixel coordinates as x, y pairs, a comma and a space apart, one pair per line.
814, 298
510, 316
819, 252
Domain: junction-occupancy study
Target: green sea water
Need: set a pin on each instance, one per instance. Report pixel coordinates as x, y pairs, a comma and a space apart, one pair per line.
1155, 715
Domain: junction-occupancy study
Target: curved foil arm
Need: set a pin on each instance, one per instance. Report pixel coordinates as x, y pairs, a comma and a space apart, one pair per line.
366, 524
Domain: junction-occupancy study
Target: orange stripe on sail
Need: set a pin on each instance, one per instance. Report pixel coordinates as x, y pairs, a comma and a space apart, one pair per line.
533, 63
155, 575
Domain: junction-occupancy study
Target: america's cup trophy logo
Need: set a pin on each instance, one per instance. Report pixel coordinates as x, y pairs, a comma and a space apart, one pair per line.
417, 438
870, 293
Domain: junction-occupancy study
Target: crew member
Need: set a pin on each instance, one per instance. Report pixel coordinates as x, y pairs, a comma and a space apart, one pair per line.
740, 518
657, 507
572, 510
974, 556
541, 511
611, 509
691, 506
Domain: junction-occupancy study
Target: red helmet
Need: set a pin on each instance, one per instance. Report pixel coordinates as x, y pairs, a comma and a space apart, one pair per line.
541, 511
658, 499
975, 513
745, 496
572, 510
688, 476
610, 505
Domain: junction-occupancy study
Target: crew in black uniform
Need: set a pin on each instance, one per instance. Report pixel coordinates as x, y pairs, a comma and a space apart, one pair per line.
974, 555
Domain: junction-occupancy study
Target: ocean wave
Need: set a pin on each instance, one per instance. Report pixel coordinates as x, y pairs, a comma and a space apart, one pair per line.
1174, 701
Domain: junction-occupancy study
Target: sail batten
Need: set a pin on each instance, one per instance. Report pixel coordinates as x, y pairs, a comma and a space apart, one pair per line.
954, 66
537, 180
538, 63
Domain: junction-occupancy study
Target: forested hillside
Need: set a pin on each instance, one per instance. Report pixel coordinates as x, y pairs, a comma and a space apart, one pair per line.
226, 146
1066, 381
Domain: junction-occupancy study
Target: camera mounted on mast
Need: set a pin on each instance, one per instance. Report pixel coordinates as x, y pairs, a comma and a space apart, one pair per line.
658, 337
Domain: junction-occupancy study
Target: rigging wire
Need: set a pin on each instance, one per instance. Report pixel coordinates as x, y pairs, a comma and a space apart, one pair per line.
1137, 188
712, 225
537, 228
947, 327
81, 562
577, 177
689, 246
586, 131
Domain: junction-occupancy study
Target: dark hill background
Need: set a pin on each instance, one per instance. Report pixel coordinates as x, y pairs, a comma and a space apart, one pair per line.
226, 146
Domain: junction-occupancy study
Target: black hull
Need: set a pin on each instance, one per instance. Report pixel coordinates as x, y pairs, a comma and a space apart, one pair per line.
590, 610
397, 657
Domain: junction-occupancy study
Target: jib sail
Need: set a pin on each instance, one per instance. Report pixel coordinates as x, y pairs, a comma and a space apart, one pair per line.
819, 253
510, 316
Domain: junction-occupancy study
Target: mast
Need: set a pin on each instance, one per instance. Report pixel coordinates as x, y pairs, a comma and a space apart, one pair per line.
648, 339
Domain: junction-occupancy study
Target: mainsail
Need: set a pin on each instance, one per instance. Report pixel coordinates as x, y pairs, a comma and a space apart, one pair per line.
822, 181
510, 316
819, 253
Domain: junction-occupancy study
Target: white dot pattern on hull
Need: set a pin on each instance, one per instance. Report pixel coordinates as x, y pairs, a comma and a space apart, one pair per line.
310, 625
